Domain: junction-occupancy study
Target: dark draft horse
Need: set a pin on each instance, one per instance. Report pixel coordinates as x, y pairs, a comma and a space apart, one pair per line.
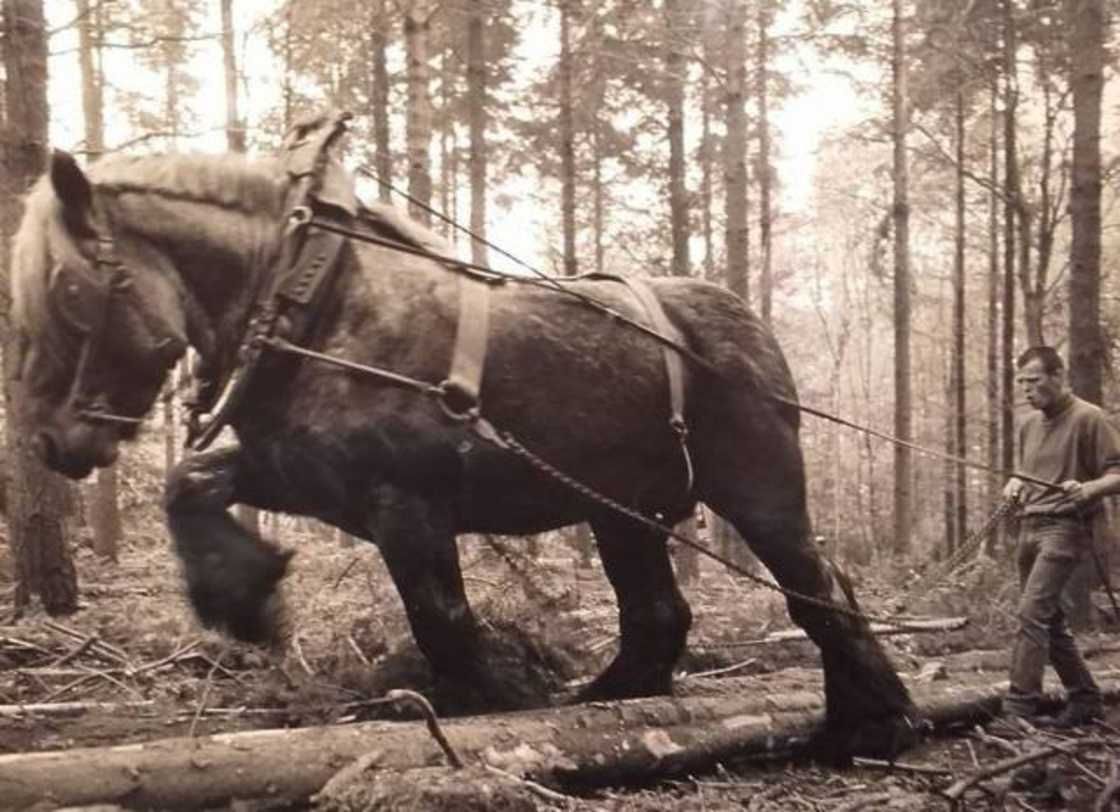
196, 235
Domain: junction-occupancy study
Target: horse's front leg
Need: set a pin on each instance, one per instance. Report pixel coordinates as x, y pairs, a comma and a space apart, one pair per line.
416, 537
231, 574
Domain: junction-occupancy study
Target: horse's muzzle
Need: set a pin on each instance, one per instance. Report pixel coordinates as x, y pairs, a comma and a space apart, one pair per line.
75, 453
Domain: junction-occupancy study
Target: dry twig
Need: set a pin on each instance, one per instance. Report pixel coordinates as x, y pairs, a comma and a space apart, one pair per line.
205, 693
1111, 789
420, 701
958, 789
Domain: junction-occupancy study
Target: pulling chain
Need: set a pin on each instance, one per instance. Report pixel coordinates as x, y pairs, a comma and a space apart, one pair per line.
510, 443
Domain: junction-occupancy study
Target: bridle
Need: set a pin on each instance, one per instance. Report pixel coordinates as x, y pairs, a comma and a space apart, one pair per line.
84, 303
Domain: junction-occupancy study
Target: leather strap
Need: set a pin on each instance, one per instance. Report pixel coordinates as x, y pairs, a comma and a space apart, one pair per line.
674, 367
464, 382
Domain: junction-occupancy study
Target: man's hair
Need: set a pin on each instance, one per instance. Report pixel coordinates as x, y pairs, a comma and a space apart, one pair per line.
1051, 361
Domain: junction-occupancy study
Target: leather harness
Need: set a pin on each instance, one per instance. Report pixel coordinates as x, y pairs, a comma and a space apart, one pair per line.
321, 200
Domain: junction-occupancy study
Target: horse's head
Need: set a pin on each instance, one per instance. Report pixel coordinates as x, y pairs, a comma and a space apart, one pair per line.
99, 322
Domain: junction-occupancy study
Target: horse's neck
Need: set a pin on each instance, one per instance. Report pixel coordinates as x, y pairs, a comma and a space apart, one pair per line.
222, 259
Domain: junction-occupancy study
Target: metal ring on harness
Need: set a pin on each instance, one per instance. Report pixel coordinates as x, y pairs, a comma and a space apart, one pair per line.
299, 217
457, 402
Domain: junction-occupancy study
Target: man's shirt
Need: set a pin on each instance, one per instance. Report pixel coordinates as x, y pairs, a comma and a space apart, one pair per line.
1078, 442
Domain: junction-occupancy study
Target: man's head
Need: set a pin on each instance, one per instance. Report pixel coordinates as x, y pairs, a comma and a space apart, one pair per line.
1042, 377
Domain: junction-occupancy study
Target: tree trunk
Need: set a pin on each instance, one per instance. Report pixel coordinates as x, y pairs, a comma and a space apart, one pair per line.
105, 515
1086, 20
737, 229
567, 144
675, 76
379, 100
1010, 172
448, 144
706, 180
765, 171
476, 96
37, 499
418, 121
994, 484
235, 127
105, 519
901, 218
959, 427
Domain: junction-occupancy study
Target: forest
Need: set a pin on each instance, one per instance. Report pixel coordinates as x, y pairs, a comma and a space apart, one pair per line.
908, 193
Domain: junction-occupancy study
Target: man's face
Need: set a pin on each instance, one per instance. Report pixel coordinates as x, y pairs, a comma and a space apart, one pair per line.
1041, 389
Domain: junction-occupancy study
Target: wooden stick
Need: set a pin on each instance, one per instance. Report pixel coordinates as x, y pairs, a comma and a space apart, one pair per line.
726, 670
71, 708
917, 769
962, 786
947, 624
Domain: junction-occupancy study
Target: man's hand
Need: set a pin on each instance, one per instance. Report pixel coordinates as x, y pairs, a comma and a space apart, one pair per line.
1013, 489
1078, 494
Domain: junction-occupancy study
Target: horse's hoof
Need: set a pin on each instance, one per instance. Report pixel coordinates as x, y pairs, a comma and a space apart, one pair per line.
608, 687
884, 738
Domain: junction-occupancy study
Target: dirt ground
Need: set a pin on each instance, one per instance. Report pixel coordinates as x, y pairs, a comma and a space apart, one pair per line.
135, 647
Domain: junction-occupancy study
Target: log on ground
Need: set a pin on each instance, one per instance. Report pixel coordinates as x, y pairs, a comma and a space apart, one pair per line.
588, 745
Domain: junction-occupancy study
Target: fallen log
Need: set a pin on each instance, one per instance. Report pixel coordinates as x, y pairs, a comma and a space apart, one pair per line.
916, 626
589, 745
611, 741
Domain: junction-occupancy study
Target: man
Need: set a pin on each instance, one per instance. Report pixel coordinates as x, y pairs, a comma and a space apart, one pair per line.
1071, 443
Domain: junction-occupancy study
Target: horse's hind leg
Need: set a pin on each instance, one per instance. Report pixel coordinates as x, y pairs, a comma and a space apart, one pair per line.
653, 616
761, 491
231, 574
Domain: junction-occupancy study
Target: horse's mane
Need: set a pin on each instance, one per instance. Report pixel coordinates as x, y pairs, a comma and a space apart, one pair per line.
251, 186
233, 181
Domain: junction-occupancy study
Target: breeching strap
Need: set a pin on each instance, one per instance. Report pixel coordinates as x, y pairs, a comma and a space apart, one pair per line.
674, 368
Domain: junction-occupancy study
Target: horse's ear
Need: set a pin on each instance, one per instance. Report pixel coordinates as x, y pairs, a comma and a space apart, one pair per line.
73, 189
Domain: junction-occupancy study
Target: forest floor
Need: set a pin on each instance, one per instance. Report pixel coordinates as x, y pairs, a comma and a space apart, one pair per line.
135, 647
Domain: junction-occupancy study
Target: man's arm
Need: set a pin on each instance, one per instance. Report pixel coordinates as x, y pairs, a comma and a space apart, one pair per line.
1106, 448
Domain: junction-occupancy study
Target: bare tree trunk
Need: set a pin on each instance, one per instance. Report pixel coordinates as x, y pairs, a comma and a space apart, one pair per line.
37, 500
105, 519
448, 145
379, 100
901, 217
477, 105
765, 181
235, 127
1010, 171
737, 234
959, 427
1086, 21
706, 179
993, 379
418, 122
567, 143
675, 78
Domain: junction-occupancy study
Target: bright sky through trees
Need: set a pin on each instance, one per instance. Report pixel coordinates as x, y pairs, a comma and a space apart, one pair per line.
824, 101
